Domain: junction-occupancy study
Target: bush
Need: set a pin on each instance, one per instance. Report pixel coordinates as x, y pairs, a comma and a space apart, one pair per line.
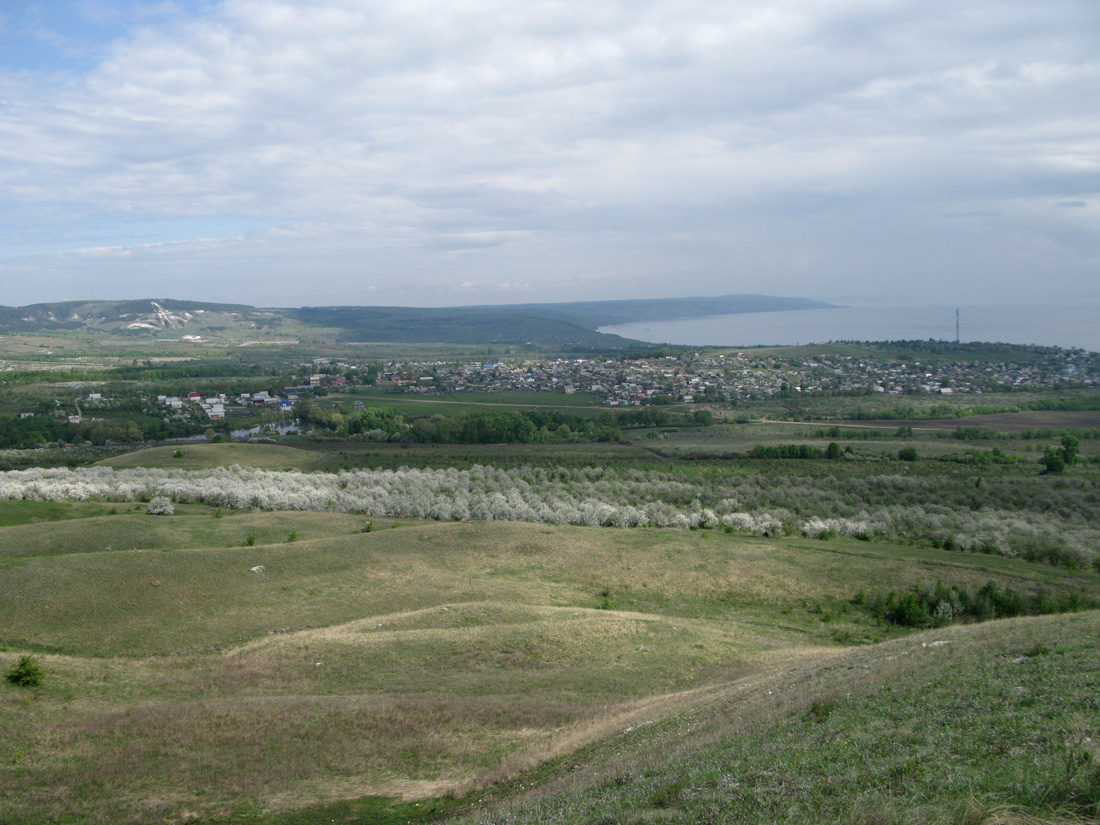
606, 602
1053, 460
160, 506
27, 672
942, 605
909, 611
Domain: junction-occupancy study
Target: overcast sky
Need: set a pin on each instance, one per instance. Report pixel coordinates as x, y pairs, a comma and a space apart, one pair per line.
446, 152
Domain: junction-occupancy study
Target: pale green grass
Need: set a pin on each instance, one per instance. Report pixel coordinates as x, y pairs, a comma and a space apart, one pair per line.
206, 456
128, 526
741, 439
983, 724
197, 676
35, 512
196, 588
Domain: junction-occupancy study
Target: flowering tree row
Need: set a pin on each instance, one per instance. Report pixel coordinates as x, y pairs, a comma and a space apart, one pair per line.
899, 508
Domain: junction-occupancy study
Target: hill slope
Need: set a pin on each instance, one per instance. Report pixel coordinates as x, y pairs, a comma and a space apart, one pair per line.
562, 325
990, 723
280, 662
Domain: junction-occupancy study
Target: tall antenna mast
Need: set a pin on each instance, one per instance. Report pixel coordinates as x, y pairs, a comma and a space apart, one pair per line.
956, 325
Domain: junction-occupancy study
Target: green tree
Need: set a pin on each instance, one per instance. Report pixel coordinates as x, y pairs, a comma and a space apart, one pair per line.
27, 672
1053, 460
1057, 459
1071, 448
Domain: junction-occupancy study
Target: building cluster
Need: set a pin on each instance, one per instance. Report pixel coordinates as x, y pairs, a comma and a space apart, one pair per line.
685, 378
742, 376
216, 406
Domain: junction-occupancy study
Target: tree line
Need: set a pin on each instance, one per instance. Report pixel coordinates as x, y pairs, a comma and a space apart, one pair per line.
492, 426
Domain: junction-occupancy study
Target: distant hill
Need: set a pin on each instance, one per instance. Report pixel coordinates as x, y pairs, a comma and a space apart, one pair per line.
561, 324
114, 316
564, 323
457, 325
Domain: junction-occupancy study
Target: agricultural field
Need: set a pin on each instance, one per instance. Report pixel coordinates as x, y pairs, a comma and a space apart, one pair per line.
741, 616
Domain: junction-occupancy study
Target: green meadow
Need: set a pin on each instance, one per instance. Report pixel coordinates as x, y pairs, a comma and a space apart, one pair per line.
212, 666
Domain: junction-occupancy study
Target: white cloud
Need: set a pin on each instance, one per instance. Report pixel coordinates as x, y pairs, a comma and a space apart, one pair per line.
660, 147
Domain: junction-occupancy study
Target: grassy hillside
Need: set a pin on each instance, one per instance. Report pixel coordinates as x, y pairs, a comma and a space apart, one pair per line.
990, 723
206, 666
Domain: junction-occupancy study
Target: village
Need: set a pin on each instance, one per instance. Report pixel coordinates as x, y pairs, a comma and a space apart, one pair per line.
740, 376
686, 378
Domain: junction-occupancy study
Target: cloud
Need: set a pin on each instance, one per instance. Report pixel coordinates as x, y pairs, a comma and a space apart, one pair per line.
664, 147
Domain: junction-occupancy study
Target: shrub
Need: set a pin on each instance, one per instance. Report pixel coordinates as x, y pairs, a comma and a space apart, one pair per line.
27, 672
160, 506
909, 611
942, 605
1053, 460
907, 454
606, 603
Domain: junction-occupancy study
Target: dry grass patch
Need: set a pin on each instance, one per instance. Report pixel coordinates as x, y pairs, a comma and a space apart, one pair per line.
306, 716
207, 456
130, 527
970, 724
144, 601
437, 654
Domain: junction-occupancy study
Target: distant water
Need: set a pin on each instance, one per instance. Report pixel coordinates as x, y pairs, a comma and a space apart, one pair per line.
1061, 325
268, 429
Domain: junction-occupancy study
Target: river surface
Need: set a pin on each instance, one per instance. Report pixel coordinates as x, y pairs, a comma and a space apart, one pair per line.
267, 429
1061, 325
